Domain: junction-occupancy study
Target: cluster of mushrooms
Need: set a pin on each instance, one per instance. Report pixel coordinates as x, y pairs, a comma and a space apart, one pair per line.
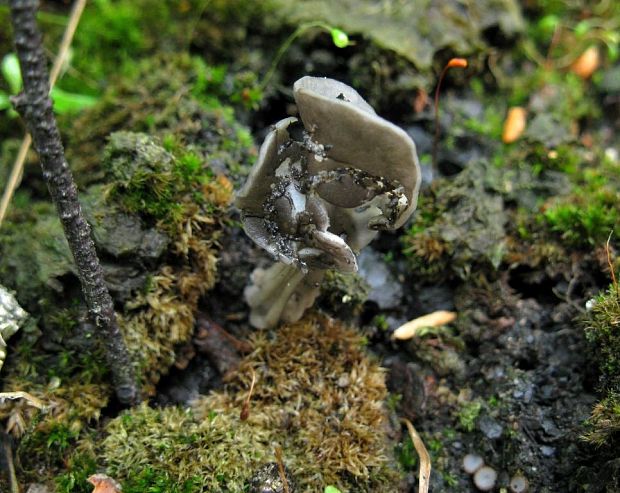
323, 186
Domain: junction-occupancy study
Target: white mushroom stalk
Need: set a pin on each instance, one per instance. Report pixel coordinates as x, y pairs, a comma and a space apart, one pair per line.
321, 189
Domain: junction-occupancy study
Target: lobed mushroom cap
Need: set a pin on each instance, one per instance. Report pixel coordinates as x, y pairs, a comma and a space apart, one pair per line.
338, 116
251, 197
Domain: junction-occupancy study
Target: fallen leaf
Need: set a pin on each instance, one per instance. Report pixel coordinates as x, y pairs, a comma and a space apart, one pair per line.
104, 484
435, 319
587, 63
514, 125
425, 459
457, 62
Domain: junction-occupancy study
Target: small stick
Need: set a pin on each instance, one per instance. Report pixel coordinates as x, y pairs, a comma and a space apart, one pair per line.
59, 61
20, 394
281, 471
245, 409
35, 107
614, 281
454, 62
425, 459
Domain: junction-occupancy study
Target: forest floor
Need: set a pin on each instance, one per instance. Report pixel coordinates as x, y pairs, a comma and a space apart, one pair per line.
162, 110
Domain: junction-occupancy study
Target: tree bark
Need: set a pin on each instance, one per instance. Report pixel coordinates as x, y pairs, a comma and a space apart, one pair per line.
35, 107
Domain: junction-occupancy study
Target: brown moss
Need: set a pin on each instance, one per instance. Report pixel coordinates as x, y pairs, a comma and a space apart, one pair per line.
159, 320
318, 396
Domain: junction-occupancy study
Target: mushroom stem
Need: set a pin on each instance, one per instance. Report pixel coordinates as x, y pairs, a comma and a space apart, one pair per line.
270, 292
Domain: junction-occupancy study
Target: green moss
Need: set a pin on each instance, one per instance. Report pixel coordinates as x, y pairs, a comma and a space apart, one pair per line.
114, 34
587, 215
212, 449
406, 455
26, 265
603, 332
344, 294
174, 190
165, 95
603, 426
459, 226
153, 481
79, 468
468, 415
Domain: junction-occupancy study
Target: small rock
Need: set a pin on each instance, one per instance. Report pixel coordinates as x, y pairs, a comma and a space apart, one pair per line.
267, 480
491, 428
547, 451
343, 381
37, 488
12, 317
550, 428
385, 290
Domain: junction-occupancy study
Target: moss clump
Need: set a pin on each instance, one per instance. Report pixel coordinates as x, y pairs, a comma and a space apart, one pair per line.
585, 216
26, 265
461, 226
343, 293
603, 332
163, 96
468, 415
153, 179
173, 188
317, 396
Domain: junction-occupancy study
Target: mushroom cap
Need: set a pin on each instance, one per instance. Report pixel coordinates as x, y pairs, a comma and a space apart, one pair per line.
485, 478
338, 116
251, 197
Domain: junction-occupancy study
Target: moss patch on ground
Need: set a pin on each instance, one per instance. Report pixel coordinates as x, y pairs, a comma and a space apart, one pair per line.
318, 397
603, 332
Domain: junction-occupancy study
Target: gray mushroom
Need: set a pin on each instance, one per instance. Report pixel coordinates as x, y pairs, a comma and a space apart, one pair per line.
321, 189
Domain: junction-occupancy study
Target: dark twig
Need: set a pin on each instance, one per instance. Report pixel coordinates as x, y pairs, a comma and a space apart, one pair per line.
35, 107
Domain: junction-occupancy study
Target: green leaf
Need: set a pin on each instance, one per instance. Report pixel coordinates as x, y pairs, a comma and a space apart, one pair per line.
67, 102
331, 489
11, 72
340, 38
5, 104
582, 28
548, 23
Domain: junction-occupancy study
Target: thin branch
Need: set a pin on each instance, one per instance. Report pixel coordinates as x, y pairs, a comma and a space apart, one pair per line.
281, 470
245, 410
67, 38
61, 58
614, 281
35, 107
15, 176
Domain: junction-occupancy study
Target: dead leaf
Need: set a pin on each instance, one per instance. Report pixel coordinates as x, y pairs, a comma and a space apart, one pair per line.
587, 63
425, 459
104, 484
435, 319
514, 125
